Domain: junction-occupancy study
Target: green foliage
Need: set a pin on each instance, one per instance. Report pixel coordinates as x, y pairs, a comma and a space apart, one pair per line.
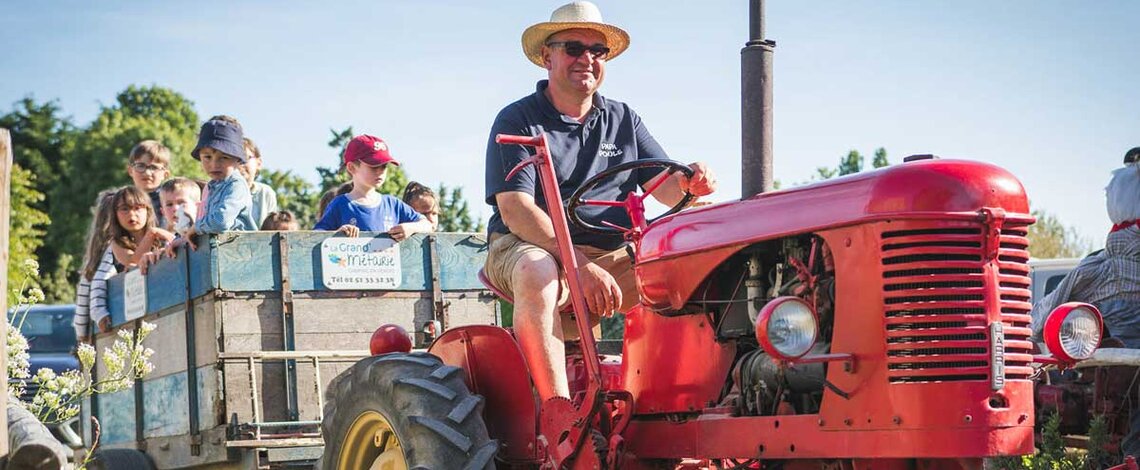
25, 230
43, 143
454, 214
1050, 238
294, 194
850, 164
1053, 455
100, 161
880, 158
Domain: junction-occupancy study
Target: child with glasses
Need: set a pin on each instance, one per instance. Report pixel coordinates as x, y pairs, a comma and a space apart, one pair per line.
148, 166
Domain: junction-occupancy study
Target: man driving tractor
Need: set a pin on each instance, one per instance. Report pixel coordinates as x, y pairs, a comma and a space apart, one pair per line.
588, 133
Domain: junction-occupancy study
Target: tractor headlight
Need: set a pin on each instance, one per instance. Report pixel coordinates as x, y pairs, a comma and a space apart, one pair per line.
787, 327
1072, 331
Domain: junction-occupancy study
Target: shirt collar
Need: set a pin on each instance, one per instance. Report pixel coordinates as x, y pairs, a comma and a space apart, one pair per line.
599, 102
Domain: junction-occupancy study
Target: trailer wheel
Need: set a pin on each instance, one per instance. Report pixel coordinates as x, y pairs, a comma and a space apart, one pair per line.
402, 411
120, 459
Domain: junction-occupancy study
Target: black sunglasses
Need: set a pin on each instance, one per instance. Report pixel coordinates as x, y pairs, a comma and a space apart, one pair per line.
577, 48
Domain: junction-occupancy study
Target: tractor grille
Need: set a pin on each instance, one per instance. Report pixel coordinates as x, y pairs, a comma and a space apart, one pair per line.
935, 292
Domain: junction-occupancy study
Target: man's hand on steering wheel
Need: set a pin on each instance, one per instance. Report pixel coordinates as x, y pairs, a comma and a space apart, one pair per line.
702, 183
600, 289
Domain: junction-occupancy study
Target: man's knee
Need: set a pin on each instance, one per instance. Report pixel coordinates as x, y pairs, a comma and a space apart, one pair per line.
534, 272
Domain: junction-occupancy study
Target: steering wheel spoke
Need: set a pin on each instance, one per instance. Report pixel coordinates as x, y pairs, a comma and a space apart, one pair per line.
634, 208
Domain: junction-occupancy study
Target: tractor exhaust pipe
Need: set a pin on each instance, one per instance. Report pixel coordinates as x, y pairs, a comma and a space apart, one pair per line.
756, 106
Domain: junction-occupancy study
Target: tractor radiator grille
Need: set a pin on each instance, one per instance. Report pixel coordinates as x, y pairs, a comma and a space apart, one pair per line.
935, 292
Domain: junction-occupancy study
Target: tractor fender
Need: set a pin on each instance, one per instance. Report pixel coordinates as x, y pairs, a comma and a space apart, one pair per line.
495, 369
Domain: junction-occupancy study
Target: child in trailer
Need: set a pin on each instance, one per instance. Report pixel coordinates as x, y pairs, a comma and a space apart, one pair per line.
228, 207
366, 159
98, 267
133, 232
424, 201
148, 165
280, 221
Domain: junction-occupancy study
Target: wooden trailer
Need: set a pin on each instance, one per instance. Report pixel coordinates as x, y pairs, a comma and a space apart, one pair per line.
252, 326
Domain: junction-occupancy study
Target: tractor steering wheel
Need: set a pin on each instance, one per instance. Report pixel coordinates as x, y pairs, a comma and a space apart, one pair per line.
633, 202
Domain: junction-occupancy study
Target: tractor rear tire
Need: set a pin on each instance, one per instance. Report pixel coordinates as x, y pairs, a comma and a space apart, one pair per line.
436, 421
120, 459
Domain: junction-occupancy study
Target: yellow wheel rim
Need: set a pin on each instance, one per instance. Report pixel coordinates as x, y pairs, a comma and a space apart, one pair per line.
371, 444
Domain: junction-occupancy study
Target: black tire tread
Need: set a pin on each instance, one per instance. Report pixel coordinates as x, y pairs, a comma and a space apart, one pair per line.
438, 421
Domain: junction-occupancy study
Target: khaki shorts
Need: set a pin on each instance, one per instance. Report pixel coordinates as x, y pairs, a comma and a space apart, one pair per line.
505, 250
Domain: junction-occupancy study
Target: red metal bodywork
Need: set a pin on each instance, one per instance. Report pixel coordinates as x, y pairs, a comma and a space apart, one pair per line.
931, 304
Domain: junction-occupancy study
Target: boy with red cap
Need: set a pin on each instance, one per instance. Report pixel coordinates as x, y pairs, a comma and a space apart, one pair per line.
366, 159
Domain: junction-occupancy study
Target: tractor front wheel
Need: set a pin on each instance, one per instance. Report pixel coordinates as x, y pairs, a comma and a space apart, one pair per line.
402, 411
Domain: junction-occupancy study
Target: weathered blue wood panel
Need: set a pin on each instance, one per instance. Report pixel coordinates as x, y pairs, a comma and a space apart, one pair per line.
209, 395
250, 262
165, 407
117, 416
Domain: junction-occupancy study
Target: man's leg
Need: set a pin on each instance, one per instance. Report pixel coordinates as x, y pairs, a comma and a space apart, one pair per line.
535, 280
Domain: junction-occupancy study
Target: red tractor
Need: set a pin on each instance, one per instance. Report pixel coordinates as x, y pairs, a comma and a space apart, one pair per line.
879, 320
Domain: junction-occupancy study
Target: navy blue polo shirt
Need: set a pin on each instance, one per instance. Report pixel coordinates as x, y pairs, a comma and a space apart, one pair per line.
612, 134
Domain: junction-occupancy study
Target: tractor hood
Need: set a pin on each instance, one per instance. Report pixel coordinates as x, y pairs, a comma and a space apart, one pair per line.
917, 189
925, 186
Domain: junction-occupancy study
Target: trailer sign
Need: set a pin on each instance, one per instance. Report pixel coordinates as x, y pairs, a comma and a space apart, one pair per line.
360, 263
134, 295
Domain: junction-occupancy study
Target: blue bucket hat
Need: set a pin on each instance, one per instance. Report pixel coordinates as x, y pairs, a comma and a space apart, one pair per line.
225, 137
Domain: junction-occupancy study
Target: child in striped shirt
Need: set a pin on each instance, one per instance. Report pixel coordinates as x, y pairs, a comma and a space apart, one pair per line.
98, 267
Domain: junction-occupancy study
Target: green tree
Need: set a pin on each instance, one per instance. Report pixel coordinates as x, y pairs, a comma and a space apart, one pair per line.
100, 160
454, 213
850, 164
294, 194
880, 158
25, 230
1051, 238
43, 142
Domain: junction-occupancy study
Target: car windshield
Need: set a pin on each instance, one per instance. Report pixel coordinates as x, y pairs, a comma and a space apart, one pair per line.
48, 329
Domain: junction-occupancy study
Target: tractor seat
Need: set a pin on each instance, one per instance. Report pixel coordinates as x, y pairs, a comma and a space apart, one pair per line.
569, 308
491, 287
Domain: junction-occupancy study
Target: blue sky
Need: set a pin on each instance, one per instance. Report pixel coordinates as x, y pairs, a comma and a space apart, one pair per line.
1046, 89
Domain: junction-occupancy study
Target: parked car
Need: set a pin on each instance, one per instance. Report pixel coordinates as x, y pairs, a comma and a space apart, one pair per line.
1046, 274
51, 344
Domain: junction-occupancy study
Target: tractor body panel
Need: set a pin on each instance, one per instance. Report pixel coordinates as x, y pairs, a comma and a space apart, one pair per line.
918, 189
495, 369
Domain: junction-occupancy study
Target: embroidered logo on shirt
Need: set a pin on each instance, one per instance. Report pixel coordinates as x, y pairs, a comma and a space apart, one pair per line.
609, 150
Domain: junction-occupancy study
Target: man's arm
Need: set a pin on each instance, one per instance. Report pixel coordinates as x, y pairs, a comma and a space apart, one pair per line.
673, 190
528, 222
1077, 286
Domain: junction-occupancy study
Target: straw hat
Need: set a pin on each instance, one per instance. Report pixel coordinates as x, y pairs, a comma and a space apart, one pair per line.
575, 15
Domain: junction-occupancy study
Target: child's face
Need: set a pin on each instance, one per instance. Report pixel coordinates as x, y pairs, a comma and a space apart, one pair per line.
147, 174
252, 166
131, 218
172, 200
217, 164
427, 207
367, 176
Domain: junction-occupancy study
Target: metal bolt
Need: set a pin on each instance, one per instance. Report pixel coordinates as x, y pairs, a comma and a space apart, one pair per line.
897, 420
847, 366
847, 421
821, 421
968, 418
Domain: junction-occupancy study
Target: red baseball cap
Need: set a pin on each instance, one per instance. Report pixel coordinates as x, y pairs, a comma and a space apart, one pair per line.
370, 150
